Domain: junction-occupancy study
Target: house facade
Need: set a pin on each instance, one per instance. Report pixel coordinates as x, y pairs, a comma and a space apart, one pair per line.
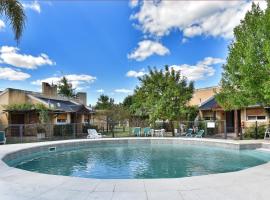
233, 120
61, 110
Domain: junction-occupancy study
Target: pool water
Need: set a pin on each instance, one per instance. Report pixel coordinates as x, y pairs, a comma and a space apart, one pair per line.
143, 161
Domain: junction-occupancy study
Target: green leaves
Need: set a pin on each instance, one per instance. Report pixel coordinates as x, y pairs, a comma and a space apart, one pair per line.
65, 88
104, 103
163, 94
19, 107
245, 80
14, 11
41, 108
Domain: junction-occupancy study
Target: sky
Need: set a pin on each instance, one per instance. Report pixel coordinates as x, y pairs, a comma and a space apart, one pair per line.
102, 47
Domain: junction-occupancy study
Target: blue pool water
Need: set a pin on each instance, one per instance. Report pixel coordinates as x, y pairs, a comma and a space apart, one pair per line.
143, 161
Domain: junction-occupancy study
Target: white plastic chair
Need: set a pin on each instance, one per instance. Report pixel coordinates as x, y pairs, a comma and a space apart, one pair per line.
267, 133
93, 134
162, 132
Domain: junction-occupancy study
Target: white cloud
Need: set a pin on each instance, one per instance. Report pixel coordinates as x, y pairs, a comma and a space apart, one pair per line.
133, 3
136, 74
148, 48
211, 61
2, 24
122, 90
210, 18
184, 40
201, 70
34, 5
12, 75
77, 81
10, 55
100, 91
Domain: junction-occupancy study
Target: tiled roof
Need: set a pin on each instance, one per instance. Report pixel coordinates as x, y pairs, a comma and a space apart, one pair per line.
65, 106
209, 104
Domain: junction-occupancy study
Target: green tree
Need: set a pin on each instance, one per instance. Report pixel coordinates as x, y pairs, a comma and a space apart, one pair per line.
127, 102
163, 95
104, 103
65, 88
14, 12
245, 80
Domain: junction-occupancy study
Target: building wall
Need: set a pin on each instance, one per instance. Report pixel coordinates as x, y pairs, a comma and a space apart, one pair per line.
17, 96
259, 111
11, 96
3, 101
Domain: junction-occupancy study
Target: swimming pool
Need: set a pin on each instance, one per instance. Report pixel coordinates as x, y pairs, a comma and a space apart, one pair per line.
132, 161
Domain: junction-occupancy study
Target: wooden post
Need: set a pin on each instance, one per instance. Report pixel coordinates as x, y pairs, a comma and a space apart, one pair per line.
225, 130
236, 128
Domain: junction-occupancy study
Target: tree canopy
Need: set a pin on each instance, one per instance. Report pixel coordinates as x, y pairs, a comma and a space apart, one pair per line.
65, 88
163, 94
245, 80
104, 103
14, 12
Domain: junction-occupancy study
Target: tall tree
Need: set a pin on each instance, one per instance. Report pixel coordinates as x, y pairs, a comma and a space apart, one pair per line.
14, 11
104, 103
245, 80
164, 94
65, 88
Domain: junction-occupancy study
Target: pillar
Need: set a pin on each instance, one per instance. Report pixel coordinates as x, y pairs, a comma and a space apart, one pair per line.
236, 128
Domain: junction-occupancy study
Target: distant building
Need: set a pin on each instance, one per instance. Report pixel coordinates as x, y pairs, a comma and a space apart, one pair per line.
203, 94
62, 110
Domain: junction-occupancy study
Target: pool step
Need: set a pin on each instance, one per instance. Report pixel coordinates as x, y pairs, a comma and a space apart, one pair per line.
263, 149
265, 145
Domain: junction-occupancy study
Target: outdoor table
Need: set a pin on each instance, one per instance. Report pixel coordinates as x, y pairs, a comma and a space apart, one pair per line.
157, 132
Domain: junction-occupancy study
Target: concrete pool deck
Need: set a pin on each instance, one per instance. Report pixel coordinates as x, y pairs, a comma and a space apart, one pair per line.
248, 184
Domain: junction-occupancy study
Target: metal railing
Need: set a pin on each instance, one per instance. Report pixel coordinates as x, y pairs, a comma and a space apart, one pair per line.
20, 133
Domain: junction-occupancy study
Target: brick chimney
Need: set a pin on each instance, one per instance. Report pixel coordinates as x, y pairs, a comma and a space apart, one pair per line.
81, 98
49, 90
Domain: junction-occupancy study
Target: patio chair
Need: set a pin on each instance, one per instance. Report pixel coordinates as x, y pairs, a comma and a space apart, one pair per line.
93, 134
267, 133
199, 134
137, 131
162, 132
2, 137
189, 132
147, 131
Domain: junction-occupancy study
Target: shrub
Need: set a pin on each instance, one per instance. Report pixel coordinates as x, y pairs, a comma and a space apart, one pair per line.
63, 130
250, 132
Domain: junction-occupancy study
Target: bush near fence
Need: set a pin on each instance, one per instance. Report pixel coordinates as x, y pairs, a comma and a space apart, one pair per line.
250, 132
63, 130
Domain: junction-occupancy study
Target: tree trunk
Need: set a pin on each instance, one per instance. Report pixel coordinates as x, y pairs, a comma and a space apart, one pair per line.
172, 127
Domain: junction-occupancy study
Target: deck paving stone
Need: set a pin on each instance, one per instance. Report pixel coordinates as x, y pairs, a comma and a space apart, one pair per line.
248, 184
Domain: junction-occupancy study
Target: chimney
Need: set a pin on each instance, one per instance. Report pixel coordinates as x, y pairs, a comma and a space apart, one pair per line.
82, 98
49, 90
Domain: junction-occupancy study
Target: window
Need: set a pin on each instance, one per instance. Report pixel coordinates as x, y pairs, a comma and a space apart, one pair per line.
61, 121
208, 118
261, 118
256, 118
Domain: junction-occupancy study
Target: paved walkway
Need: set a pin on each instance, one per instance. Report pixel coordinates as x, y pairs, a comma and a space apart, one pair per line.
16, 184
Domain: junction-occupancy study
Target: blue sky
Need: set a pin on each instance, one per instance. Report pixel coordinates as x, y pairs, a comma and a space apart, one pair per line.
102, 46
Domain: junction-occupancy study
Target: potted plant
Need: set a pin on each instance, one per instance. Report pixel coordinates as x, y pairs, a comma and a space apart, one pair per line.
41, 132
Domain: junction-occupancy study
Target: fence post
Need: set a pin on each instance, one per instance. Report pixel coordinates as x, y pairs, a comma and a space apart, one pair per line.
21, 132
205, 128
256, 130
225, 130
74, 130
